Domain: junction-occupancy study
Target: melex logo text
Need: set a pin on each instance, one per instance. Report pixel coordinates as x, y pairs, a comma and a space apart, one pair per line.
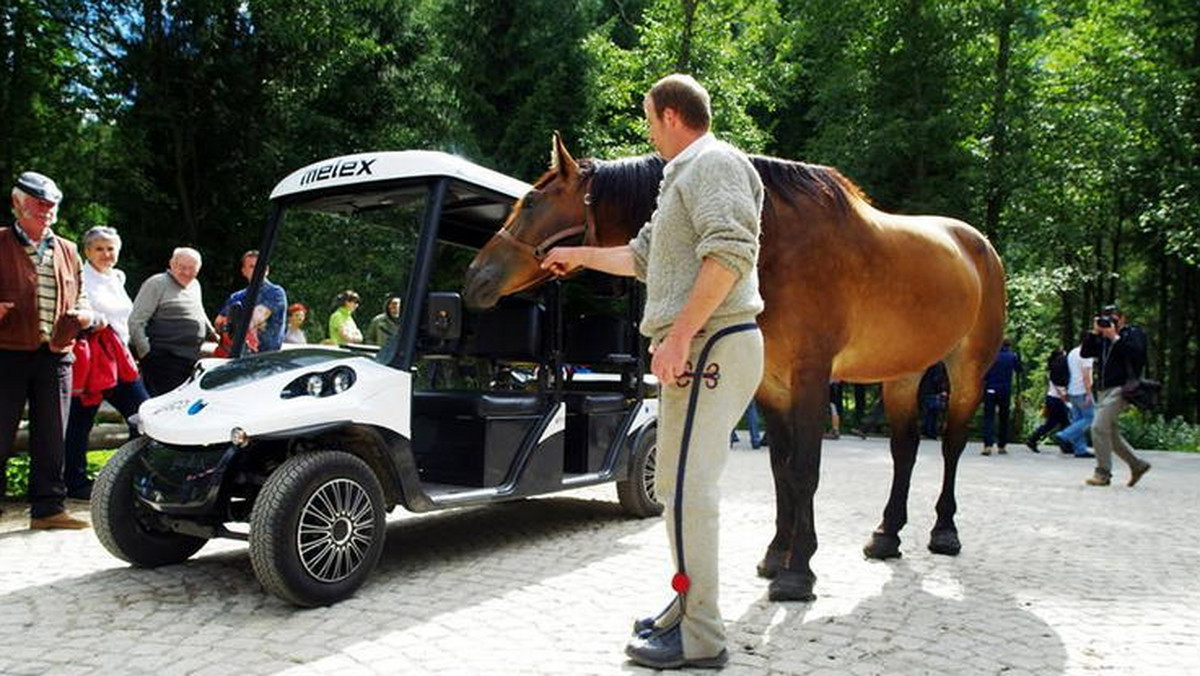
338, 170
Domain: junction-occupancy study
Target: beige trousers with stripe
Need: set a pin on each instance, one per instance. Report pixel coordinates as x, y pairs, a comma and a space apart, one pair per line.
692, 513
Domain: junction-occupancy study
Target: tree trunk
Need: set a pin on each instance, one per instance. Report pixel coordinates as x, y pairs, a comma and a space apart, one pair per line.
1189, 270
997, 192
684, 63
1067, 318
1115, 269
1175, 364
1191, 281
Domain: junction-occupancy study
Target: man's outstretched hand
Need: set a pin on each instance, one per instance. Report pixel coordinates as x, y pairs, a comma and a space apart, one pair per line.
563, 261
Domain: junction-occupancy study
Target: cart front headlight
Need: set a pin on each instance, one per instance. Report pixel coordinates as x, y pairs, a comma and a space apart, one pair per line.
313, 385
341, 380
326, 384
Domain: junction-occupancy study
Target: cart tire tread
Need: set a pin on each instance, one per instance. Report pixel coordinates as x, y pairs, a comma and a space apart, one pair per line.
276, 513
115, 517
636, 492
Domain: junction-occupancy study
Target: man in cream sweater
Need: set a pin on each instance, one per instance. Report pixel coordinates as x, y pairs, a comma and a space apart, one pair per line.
698, 257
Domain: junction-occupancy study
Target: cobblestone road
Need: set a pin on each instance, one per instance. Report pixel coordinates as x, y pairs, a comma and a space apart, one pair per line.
1054, 577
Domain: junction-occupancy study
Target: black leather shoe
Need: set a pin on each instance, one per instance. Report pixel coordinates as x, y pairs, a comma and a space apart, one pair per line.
644, 627
664, 650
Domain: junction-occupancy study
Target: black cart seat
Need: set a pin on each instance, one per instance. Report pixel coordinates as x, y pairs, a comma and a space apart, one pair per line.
474, 404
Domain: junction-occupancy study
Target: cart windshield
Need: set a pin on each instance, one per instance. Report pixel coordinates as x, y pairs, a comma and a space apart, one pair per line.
347, 259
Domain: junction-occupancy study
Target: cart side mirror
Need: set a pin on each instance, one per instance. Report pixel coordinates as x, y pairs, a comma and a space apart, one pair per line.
443, 315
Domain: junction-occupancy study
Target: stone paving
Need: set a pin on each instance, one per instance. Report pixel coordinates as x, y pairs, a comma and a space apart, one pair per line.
1055, 578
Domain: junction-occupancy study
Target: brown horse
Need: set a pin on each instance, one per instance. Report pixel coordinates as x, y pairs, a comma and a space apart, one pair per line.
852, 293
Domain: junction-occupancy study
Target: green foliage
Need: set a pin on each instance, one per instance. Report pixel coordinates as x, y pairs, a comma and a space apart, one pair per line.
320, 255
729, 45
17, 471
517, 74
1155, 431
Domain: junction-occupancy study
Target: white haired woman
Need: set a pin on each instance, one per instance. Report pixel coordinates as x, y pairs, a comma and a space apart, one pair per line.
107, 371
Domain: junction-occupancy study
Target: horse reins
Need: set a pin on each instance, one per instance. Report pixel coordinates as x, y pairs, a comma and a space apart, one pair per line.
539, 251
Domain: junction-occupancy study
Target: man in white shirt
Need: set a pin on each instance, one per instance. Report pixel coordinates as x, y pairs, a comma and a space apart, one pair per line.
1074, 439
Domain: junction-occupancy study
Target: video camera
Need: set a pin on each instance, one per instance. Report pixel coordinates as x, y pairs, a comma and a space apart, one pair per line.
1107, 317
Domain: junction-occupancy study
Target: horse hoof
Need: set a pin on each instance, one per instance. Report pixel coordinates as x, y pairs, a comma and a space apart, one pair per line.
944, 542
771, 564
790, 585
882, 546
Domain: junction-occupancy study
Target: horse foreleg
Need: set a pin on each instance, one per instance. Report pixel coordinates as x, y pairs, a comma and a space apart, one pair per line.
966, 377
900, 404
797, 477
779, 434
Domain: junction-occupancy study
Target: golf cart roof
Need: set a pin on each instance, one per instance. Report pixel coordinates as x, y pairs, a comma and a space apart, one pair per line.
363, 168
476, 196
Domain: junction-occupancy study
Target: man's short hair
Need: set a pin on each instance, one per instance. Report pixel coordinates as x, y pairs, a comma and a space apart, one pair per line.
187, 252
688, 97
248, 254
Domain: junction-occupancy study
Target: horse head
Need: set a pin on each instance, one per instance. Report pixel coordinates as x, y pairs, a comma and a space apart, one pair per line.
554, 212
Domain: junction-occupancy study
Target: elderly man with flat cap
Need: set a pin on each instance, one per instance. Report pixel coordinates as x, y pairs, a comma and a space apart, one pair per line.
42, 308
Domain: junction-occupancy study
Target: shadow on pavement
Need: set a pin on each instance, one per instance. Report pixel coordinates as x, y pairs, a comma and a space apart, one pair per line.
914, 625
432, 565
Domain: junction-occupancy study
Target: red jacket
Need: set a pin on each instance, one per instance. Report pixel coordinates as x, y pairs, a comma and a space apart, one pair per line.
101, 362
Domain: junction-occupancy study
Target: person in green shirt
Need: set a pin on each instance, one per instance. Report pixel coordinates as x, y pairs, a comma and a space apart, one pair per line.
342, 328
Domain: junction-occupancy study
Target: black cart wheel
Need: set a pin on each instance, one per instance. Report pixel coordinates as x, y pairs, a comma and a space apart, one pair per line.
636, 492
317, 528
127, 528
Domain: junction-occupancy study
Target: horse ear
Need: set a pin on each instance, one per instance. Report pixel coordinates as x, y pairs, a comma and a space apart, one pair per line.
561, 160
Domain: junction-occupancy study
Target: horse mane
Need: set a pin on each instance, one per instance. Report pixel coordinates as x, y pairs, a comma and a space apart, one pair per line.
633, 183
823, 184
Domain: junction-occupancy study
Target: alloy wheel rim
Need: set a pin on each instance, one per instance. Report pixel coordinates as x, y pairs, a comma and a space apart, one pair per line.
336, 530
648, 473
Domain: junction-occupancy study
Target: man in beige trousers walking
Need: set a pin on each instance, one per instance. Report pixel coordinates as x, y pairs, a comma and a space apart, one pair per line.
698, 257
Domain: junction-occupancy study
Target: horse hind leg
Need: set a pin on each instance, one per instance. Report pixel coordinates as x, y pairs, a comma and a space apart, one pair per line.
965, 368
900, 404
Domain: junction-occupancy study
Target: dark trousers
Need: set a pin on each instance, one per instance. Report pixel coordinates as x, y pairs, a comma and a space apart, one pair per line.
126, 398
995, 402
163, 372
1058, 417
43, 379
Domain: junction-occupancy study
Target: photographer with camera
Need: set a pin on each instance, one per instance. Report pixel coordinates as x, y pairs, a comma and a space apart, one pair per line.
1119, 352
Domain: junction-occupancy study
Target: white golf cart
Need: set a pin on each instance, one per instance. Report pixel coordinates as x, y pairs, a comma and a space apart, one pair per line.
303, 451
